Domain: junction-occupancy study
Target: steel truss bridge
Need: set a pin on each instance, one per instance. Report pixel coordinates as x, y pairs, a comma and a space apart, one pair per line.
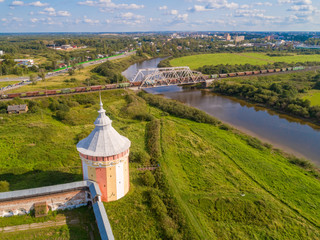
153, 77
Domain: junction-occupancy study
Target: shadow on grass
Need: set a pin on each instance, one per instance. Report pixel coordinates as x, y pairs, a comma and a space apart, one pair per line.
38, 178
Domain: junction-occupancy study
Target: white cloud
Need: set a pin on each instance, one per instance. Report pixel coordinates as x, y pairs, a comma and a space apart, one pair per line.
17, 3
52, 12
268, 4
90, 21
34, 20
108, 5
1, 1
38, 4
17, 19
198, 8
63, 13
163, 7
218, 4
173, 12
129, 18
180, 18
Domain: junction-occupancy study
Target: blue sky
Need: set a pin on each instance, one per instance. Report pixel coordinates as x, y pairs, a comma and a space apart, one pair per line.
161, 15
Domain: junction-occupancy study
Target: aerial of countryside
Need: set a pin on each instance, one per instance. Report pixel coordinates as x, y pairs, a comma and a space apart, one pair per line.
151, 120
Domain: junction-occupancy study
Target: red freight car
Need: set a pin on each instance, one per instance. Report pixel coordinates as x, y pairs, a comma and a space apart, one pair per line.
135, 84
232, 74
263, 71
240, 73
80, 89
223, 75
248, 73
32, 94
111, 86
51, 92
256, 72
13, 95
95, 88
270, 70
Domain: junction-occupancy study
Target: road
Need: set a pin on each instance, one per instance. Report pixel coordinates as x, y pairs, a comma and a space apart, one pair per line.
53, 74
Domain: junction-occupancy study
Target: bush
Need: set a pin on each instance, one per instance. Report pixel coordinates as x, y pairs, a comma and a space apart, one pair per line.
148, 179
153, 139
4, 186
178, 109
141, 157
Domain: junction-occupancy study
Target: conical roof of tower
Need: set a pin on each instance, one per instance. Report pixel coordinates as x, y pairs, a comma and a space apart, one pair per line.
104, 140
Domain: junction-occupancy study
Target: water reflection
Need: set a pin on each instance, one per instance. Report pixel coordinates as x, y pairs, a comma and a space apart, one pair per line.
291, 134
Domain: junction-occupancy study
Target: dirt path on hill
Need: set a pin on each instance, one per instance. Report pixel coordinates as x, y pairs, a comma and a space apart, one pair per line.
38, 225
257, 58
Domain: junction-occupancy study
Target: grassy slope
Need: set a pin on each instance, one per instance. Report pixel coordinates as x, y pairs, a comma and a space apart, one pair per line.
196, 61
37, 150
313, 96
207, 170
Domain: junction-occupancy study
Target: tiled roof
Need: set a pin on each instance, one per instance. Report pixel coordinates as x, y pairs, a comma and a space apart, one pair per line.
5, 196
104, 140
21, 107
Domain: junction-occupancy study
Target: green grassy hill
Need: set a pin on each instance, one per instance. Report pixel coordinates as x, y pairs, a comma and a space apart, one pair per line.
213, 182
196, 61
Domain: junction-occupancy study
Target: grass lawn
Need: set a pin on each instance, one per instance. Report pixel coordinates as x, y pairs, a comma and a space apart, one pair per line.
82, 225
196, 61
313, 96
225, 187
58, 82
3, 84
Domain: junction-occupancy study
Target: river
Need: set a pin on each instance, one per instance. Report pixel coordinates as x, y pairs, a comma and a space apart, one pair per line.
289, 134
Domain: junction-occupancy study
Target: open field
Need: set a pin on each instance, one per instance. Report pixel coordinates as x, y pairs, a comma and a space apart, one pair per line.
58, 82
196, 61
313, 96
70, 224
225, 184
78, 79
3, 84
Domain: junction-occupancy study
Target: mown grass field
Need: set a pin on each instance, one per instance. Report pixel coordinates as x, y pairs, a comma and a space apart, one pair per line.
313, 96
196, 61
226, 184
3, 84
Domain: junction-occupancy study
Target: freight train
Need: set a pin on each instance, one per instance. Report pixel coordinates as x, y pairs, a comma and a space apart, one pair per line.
64, 91
247, 73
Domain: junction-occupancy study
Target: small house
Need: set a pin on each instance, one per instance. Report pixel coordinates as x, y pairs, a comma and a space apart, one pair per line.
22, 108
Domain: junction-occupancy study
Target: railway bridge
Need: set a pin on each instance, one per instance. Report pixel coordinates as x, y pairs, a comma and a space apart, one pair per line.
155, 77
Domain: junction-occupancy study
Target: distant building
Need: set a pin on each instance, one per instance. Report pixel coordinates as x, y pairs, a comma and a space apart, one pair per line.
22, 108
25, 62
268, 38
238, 38
227, 36
1, 52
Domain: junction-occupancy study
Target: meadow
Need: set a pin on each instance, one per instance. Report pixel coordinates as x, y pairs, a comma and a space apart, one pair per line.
196, 61
313, 96
213, 181
81, 77
3, 84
